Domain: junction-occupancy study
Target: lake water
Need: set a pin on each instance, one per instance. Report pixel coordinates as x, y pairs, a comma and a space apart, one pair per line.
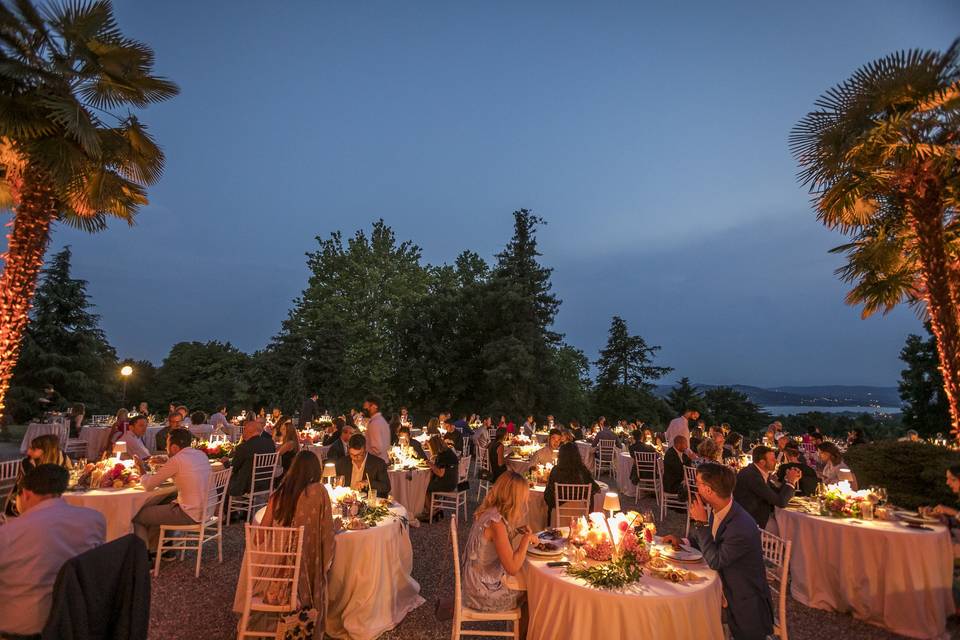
789, 411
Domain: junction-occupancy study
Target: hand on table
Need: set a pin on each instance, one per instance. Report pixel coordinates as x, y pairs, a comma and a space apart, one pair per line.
672, 540
944, 510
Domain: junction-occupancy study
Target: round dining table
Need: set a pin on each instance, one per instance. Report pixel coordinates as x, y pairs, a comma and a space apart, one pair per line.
624, 466
518, 465
566, 607
409, 488
370, 589
883, 572
118, 506
61, 429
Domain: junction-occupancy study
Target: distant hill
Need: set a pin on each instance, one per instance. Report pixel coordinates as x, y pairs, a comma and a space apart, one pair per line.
813, 396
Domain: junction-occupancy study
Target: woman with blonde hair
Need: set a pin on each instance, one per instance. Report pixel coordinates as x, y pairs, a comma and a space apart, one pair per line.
497, 546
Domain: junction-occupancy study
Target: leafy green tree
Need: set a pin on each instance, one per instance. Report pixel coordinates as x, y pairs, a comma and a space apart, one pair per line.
921, 387
879, 154
685, 396
64, 348
625, 373
201, 375
725, 404
70, 148
142, 386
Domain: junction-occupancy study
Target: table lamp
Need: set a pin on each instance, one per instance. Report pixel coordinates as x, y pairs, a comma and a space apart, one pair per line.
611, 502
118, 449
329, 471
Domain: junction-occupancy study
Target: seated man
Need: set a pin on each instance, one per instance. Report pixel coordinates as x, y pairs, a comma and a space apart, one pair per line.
807, 485
730, 543
241, 461
359, 468
548, 454
338, 449
674, 460
174, 421
756, 491
190, 471
404, 441
639, 445
35, 546
452, 437
133, 438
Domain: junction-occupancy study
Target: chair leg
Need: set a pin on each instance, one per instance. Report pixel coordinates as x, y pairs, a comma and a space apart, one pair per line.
516, 630
220, 541
687, 531
156, 562
250, 509
196, 572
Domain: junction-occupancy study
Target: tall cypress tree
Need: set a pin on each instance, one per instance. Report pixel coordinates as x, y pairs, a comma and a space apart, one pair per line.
64, 349
625, 374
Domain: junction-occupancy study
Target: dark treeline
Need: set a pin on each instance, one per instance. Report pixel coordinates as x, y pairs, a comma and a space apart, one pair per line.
374, 318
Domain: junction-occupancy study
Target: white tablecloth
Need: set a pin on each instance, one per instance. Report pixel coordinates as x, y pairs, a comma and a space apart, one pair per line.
318, 449
96, 439
519, 465
882, 572
563, 607
409, 488
60, 429
624, 467
118, 506
537, 506
370, 586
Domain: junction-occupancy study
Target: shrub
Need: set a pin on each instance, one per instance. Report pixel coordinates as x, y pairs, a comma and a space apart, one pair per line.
912, 472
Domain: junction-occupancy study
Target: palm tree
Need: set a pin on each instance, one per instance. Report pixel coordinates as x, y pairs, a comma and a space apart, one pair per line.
881, 156
64, 155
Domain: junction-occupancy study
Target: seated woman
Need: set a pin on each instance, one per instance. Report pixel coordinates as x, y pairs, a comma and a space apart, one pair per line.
444, 473
77, 412
332, 433
709, 451
569, 470
832, 465
733, 445
496, 454
497, 546
411, 446
394, 430
43, 449
303, 501
120, 423
289, 443
641, 444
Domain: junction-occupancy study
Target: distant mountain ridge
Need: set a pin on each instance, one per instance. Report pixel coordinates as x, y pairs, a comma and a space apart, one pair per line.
812, 396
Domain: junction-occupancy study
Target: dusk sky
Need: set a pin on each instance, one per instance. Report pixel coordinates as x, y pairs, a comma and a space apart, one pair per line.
652, 138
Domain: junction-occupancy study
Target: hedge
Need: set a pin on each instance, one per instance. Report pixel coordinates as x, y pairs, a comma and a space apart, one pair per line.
912, 472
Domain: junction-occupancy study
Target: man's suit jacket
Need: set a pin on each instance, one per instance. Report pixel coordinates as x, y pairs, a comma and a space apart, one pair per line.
336, 451
242, 463
375, 468
736, 554
673, 471
758, 498
308, 411
456, 438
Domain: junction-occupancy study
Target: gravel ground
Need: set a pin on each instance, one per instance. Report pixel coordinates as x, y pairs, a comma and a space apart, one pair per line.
188, 607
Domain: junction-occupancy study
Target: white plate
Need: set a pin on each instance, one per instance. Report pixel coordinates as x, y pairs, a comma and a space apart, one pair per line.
915, 518
533, 551
686, 554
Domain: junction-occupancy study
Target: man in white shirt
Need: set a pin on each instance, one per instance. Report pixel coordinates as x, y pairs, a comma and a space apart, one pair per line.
680, 426
133, 438
35, 546
548, 454
190, 471
378, 430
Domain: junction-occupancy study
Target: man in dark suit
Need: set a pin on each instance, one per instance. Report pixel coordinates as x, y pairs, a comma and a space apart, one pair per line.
808, 476
757, 491
358, 468
452, 436
639, 446
730, 542
310, 410
242, 459
674, 460
338, 449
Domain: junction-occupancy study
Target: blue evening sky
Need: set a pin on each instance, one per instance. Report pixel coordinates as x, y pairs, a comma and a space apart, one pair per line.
651, 137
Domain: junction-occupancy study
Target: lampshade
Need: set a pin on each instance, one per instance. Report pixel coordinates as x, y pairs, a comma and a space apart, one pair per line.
119, 447
611, 501
329, 470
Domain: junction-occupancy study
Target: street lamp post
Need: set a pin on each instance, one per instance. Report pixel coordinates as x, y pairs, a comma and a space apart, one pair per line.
125, 372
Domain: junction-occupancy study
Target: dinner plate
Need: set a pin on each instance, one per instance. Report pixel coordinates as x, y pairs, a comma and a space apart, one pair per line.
533, 551
685, 554
918, 520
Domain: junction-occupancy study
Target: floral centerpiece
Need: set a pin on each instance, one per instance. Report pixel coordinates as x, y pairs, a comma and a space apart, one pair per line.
354, 511
524, 451
310, 435
109, 474
540, 473
403, 457
214, 450
841, 501
521, 440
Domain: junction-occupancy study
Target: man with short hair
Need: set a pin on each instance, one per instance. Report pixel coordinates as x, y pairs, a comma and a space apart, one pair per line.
548, 453
756, 490
807, 485
36, 545
174, 421
674, 460
190, 470
133, 438
378, 430
219, 419
680, 426
242, 458
359, 468
730, 543
529, 427
309, 410
453, 437
339, 447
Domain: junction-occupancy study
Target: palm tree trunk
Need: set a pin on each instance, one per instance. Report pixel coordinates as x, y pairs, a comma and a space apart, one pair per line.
942, 300
26, 244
